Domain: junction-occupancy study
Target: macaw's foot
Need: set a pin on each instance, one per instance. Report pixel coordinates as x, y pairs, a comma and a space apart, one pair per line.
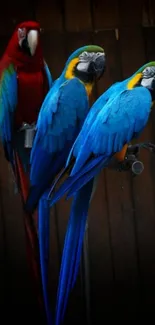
135, 149
131, 161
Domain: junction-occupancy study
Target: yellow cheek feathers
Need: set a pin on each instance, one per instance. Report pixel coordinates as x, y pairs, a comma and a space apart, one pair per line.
70, 74
70, 69
132, 83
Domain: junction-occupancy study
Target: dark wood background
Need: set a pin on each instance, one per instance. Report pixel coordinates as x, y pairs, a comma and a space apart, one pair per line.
122, 214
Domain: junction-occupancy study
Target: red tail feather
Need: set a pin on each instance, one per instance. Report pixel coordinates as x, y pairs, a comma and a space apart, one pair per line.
32, 245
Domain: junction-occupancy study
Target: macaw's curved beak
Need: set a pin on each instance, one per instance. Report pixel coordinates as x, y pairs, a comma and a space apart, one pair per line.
98, 64
32, 39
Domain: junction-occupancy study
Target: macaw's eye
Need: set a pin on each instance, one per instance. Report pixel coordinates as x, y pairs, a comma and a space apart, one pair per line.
149, 72
21, 35
83, 55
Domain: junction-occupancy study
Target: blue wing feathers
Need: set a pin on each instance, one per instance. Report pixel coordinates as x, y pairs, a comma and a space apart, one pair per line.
57, 127
48, 74
59, 113
8, 102
90, 166
43, 172
85, 178
115, 125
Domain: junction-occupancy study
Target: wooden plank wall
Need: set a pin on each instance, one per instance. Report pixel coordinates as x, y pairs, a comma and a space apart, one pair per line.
122, 215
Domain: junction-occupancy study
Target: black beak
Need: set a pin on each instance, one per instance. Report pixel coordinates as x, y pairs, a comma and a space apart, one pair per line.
152, 89
97, 66
153, 84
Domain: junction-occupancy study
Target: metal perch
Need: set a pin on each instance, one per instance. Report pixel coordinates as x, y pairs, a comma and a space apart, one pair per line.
131, 161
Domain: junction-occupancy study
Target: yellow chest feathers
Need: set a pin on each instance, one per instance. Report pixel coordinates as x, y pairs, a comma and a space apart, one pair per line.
88, 87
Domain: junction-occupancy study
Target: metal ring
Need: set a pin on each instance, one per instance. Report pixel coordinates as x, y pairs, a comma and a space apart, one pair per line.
137, 167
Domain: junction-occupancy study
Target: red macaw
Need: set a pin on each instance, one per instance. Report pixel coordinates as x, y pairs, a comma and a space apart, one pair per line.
24, 81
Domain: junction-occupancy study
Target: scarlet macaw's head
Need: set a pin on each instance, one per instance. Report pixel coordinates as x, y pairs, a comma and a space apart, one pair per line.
28, 37
25, 44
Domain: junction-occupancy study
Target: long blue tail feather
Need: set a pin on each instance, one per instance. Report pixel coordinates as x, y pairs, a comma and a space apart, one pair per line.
43, 228
79, 247
72, 248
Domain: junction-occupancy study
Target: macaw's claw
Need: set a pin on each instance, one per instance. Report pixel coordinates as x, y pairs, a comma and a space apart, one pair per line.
135, 149
149, 146
131, 160
132, 163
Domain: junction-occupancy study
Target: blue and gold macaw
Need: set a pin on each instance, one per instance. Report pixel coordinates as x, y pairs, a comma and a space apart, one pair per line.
118, 116
60, 120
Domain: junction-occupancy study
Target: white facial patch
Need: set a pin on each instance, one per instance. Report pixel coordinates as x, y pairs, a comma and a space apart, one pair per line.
21, 35
83, 66
147, 82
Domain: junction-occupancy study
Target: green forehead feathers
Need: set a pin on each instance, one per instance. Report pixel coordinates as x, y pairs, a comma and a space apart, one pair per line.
88, 48
149, 64
92, 48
